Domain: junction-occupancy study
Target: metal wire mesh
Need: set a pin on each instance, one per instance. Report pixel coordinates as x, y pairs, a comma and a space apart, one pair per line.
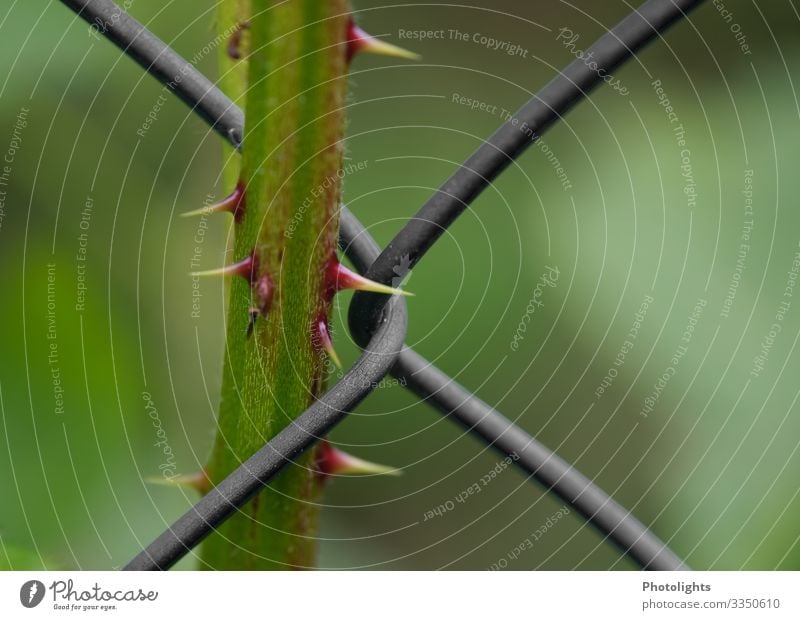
379, 323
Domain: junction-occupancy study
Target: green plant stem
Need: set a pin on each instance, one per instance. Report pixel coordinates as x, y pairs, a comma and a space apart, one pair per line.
292, 151
232, 15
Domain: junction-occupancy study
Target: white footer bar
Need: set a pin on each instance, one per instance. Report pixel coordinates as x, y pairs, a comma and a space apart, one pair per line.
402, 595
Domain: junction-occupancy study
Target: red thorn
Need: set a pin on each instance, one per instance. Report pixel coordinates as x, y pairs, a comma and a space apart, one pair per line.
245, 268
360, 41
329, 459
234, 203
321, 338
334, 462
235, 41
355, 40
339, 277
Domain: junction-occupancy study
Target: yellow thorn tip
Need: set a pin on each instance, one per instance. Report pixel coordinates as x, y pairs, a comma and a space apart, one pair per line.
383, 48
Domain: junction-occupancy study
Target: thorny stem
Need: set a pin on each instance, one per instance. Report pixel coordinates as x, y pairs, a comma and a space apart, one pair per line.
295, 58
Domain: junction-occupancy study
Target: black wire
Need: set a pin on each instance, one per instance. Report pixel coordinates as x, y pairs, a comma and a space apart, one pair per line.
160, 61
423, 378
538, 461
512, 138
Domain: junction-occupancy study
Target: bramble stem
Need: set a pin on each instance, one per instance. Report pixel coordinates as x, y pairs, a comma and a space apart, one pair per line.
292, 151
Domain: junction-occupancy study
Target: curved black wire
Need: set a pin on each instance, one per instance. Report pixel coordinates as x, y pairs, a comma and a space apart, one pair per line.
421, 376
569, 87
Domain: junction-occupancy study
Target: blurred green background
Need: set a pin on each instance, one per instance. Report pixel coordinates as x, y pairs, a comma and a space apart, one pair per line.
712, 465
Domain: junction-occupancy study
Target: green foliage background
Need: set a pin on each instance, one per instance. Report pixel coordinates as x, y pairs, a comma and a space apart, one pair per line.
713, 468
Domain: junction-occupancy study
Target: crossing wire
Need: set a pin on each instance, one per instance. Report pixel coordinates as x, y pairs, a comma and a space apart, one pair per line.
379, 323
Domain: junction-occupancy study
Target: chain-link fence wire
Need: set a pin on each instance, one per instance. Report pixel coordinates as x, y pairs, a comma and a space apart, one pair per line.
379, 323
